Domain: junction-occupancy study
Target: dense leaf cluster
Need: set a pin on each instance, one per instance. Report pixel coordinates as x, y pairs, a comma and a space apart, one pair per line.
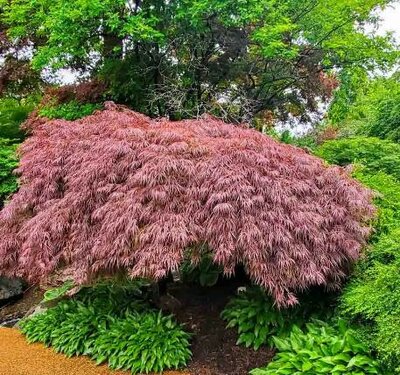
117, 191
320, 349
181, 58
371, 298
110, 324
256, 318
375, 155
71, 110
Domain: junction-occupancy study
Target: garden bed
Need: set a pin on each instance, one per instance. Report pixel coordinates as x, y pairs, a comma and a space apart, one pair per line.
214, 347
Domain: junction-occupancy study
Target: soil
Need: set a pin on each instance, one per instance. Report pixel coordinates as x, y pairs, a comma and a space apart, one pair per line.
15, 309
214, 347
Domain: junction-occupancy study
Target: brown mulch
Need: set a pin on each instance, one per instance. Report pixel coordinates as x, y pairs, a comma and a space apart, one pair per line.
17, 357
214, 347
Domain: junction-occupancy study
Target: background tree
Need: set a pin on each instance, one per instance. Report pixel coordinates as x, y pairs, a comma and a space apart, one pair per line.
367, 106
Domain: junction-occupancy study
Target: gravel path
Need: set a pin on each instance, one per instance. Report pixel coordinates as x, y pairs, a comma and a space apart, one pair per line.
17, 357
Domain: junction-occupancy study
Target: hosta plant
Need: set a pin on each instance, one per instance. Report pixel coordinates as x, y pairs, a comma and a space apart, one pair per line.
320, 349
142, 342
205, 272
111, 324
256, 318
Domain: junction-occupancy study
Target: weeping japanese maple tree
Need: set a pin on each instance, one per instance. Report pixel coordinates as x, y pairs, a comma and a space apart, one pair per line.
118, 192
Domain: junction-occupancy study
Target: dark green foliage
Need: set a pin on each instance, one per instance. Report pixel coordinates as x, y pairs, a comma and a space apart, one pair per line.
373, 153
112, 323
372, 299
320, 349
71, 110
8, 162
142, 342
206, 273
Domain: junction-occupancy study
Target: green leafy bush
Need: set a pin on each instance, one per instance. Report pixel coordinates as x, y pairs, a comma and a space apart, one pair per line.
142, 342
256, 318
8, 162
387, 199
71, 110
12, 113
320, 349
372, 299
375, 154
113, 324
386, 124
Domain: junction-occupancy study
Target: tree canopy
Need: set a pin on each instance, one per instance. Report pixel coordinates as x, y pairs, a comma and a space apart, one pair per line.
236, 59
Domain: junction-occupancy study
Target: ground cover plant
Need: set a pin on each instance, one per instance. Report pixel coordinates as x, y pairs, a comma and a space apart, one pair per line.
256, 318
320, 349
252, 200
112, 324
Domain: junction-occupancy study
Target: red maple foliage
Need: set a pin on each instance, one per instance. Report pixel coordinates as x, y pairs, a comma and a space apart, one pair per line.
117, 191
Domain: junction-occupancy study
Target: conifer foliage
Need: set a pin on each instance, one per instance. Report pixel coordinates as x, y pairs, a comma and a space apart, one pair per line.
116, 191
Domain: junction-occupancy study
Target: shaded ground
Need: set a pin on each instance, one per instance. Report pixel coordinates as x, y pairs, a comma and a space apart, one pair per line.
17, 308
214, 347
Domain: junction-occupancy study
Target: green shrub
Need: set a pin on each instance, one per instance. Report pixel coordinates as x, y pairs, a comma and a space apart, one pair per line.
320, 349
142, 342
387, 199
258, 320
71, 110
386, 123
12, 113
114, 324
8, 162
374, 154
372, 299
